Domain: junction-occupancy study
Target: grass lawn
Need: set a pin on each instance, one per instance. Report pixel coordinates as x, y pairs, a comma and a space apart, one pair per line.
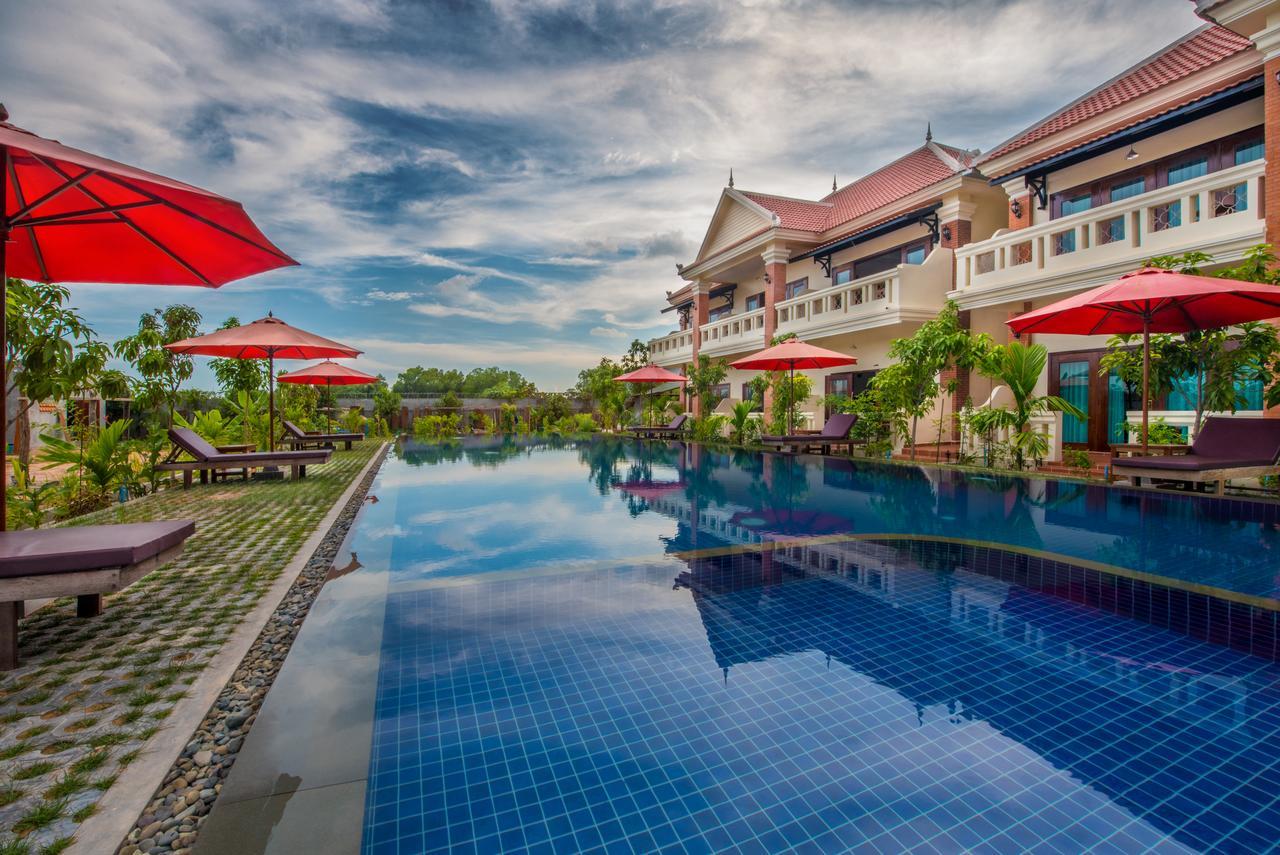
92, 691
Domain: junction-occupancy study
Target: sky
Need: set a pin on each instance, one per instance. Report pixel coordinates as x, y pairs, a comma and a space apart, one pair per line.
513, 182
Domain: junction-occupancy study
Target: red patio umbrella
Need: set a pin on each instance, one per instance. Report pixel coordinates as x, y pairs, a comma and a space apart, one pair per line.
328, 373
1154, 300
267, 338
790, 355
651, 374
70, 216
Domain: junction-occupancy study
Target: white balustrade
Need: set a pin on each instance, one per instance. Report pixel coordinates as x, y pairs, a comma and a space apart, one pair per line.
1218, 213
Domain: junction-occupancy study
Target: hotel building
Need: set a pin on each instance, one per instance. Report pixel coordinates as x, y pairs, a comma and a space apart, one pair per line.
1168, 157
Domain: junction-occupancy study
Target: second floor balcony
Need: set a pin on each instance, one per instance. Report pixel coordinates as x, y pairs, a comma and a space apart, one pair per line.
733, 333
1219, 213
672, 349
908, 292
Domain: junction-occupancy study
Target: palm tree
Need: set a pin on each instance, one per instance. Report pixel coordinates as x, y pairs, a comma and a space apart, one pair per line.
1018, 366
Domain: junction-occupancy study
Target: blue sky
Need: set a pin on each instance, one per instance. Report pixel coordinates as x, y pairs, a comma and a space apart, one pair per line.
513, 182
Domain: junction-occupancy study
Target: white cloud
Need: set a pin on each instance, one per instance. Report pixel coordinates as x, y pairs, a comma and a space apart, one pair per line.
389, 296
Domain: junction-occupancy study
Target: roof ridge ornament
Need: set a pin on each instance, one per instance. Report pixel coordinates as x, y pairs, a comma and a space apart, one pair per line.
833, 182
730, 177
928, 132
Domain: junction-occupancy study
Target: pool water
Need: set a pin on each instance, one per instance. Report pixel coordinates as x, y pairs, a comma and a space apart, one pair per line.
616, 646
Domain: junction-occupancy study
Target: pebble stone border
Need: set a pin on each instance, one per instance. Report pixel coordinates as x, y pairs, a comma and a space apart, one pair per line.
172, 819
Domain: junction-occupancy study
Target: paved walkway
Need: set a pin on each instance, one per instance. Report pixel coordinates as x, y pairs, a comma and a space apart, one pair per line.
91, 692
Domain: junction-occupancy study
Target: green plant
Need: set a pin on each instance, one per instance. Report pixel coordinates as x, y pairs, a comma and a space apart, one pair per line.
703, 376
28, 501
789, 394
709, 428
160, 372
1076, 458
743, 426
211, 425
249, 410
508, 417
910, 384
450, 400
437, 426
353, 421
1159, 432
100, 465
481, 423
42, 815
1019, 366
386, 403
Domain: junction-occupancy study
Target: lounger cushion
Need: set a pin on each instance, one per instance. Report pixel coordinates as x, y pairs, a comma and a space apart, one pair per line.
1252, 439
1189, 462
836, 429
202, 451
89, 547
193, 443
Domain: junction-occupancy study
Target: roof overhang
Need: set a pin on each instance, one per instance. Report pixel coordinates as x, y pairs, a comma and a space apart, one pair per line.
1208, 105
717, 291
907, 219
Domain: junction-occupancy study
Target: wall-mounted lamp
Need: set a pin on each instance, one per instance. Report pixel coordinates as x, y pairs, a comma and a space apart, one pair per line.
768, 280
1016, 208
1131, 154
946, 232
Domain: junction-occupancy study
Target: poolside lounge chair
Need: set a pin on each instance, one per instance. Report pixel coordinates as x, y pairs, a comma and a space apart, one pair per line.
1224, 448
298, 438
84, 562
834, 433
674, 428
209, 459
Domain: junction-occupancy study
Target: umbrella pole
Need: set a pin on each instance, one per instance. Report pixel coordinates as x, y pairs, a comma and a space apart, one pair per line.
4, 362
1146, 376
328, 416
271, 401
791, 410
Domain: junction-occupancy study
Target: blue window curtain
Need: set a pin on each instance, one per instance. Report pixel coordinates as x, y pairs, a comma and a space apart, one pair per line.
1250, 151
1188, 169
1183, 396
1073, 386
1128, 189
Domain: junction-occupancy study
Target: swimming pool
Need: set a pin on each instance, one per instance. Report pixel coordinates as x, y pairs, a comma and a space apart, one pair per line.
619, 646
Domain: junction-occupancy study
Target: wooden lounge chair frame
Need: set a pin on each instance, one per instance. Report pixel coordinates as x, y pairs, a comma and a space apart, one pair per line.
297, 461
675, 428
295, 437
821, 440
1225, 434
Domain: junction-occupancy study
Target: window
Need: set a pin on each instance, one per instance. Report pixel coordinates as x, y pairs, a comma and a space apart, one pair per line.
1111, 231
720, 392
1064, 242
1231, 200
1076, 204
1125, 189
755, 301
1249, 151
1188, 169
1166, 216
748, 395
914, 254
719, 312
798, 287
844, 275
882, 262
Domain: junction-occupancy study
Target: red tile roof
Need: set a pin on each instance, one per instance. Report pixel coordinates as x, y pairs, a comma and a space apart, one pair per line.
794, 213
1199, 50
927, 165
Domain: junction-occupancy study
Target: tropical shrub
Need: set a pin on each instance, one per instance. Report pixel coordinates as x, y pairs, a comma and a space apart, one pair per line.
1076, 459
1159, 432
98, 463
743, 426
353, 421
508, 417
28, 502
211, 425
450, 401
789, 395
437, 426
1018, 366
249, 409
480, 422
709, 428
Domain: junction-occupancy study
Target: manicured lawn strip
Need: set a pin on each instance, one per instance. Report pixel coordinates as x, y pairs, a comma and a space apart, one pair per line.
92, 691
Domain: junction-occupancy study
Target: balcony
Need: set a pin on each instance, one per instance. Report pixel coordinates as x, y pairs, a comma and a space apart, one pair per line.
909, 292
673, 349
1219, 213
733, 333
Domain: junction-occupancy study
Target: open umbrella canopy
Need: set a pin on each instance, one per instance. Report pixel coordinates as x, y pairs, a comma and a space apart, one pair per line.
1166, 301
76, 217
70, 216
650, 374
328, 373
1153, 300
792, 354
265, 338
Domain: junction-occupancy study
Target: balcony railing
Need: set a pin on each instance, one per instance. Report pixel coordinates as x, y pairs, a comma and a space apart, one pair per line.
1219, 213
672, 348
734, 332
870, 300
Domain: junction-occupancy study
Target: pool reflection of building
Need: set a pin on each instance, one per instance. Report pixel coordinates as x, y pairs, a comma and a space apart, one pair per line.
1092, 694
